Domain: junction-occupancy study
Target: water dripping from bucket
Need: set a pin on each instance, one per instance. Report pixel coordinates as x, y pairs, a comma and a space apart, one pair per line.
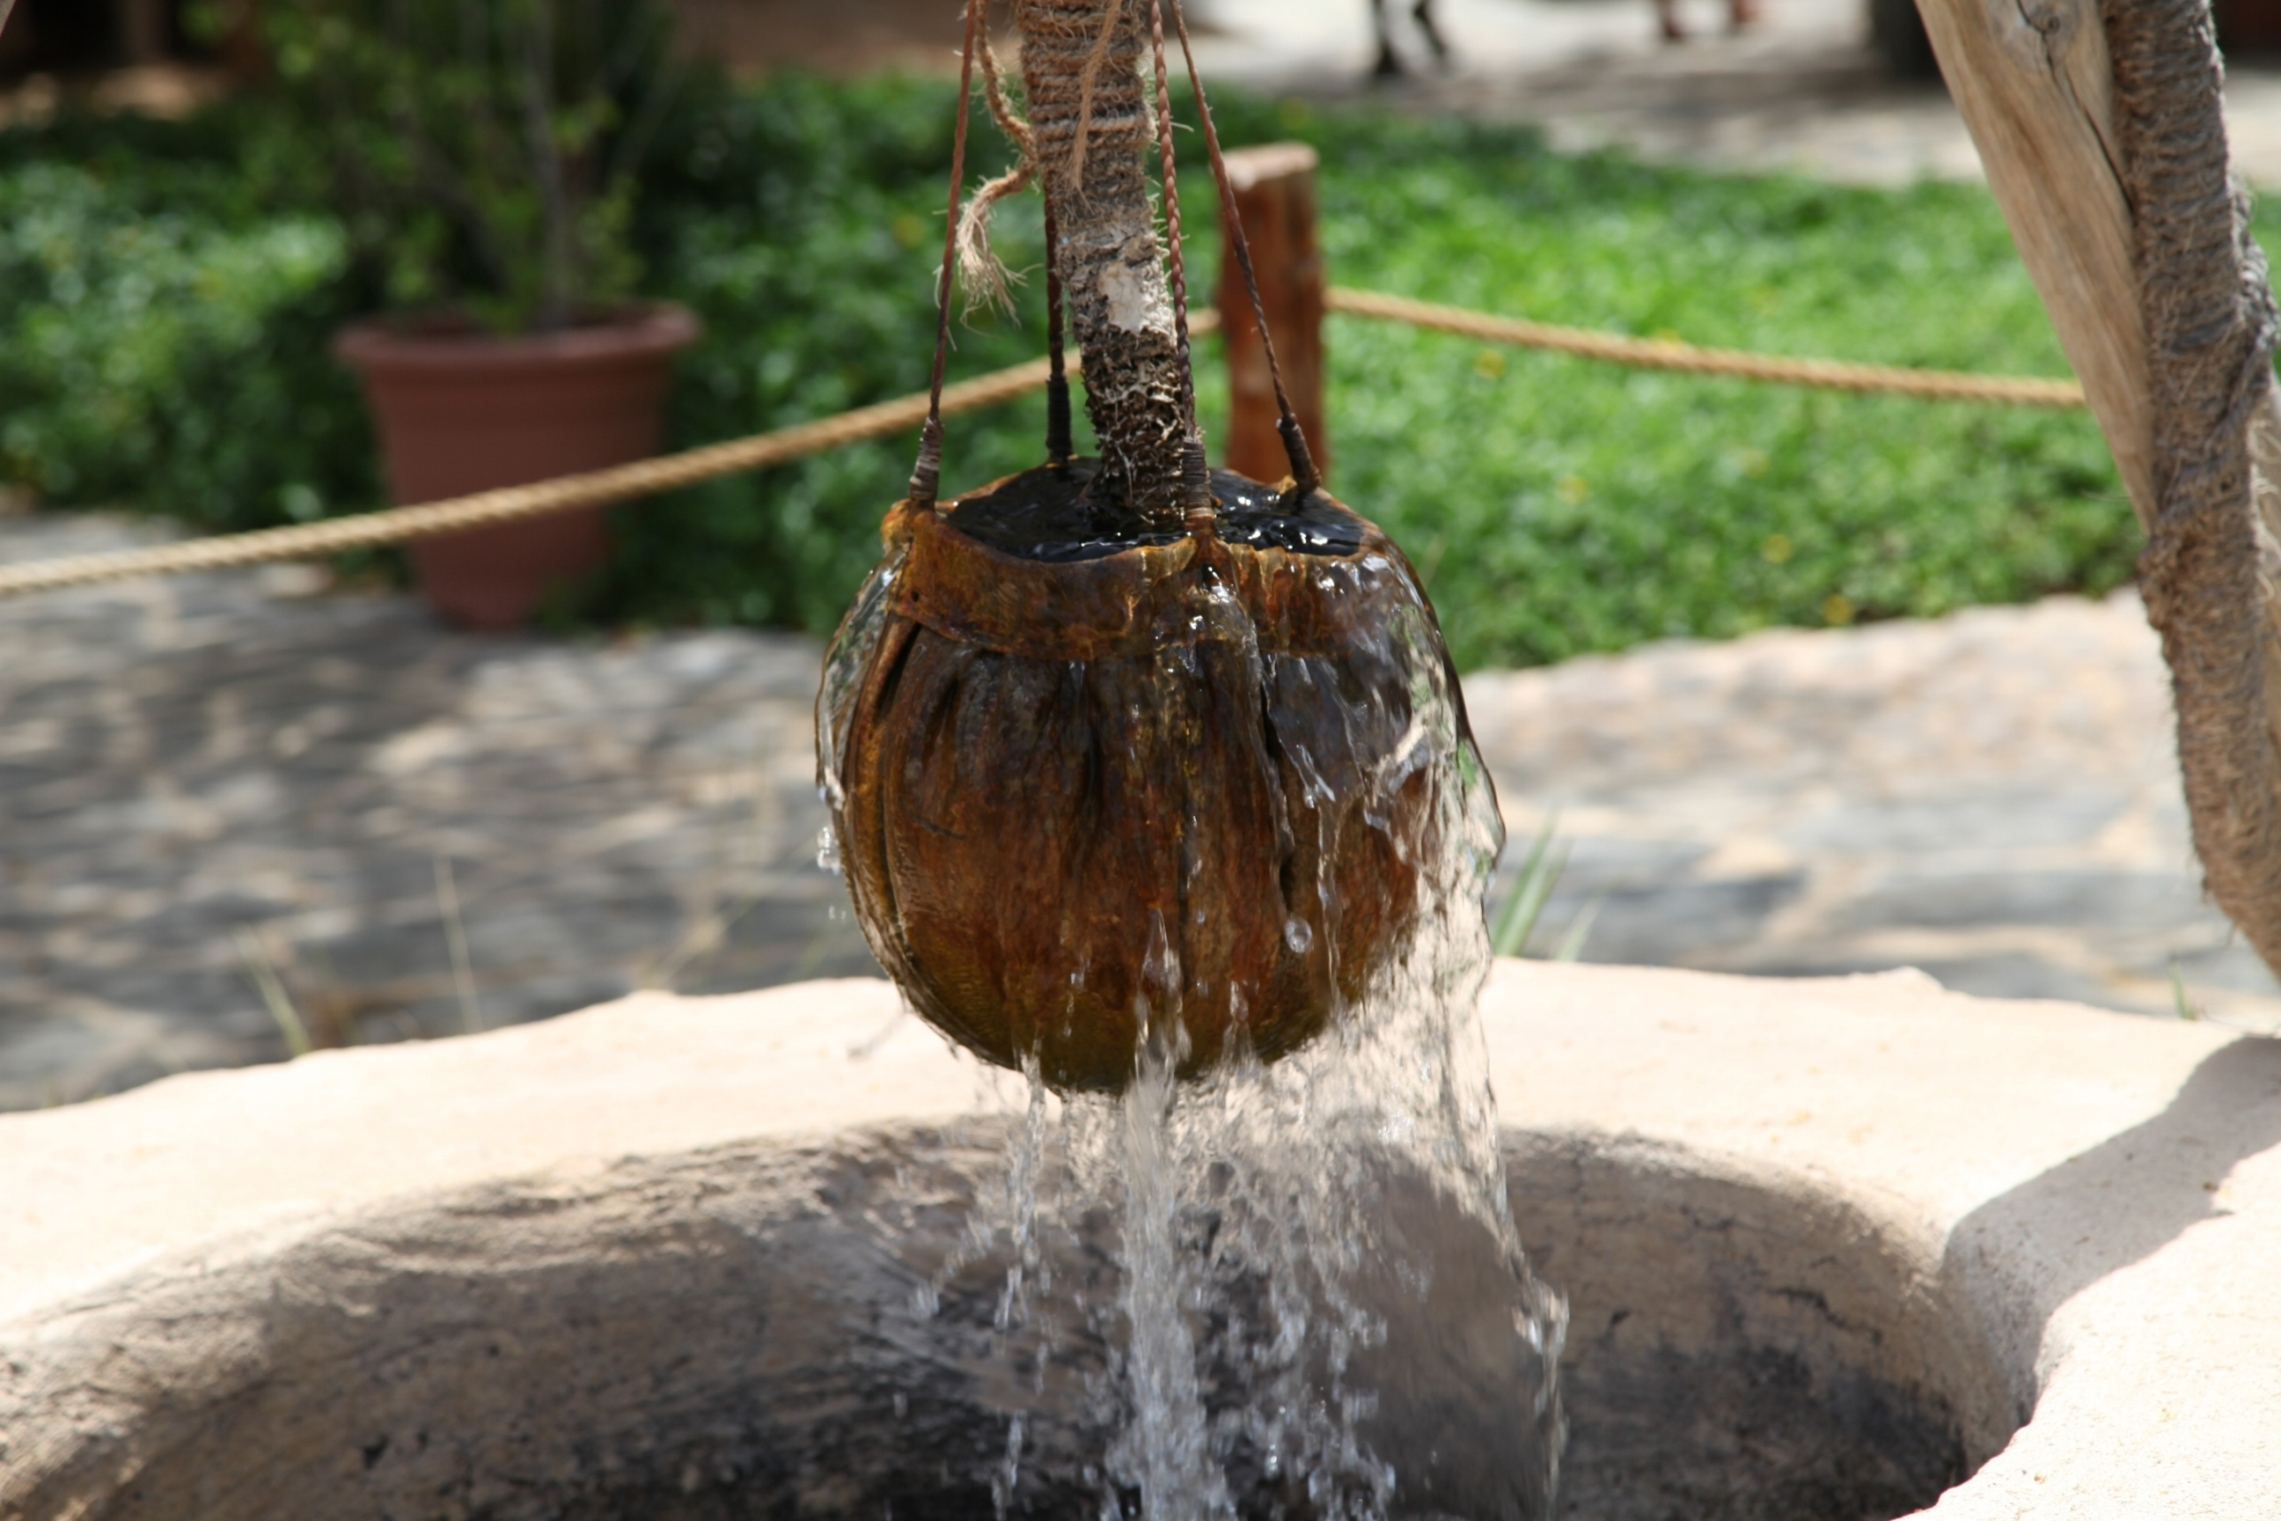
1299, 1246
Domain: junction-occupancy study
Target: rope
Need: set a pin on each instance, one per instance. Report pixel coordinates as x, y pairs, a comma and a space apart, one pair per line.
1059, 441
1304, 476
926, 474
1195, 469
370, 530
1670, 354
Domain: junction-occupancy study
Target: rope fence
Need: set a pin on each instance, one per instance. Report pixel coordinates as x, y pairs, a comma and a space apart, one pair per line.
1671, 354
396, 525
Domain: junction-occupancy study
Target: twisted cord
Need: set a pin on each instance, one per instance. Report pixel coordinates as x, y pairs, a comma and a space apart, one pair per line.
396, 525
979, 267
1305, 477
1195, 473
1685, 358
926, 475
1059, 442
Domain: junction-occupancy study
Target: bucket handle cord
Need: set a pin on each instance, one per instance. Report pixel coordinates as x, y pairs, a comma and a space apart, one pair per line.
926, 475
1059, 445
1195, 475
1303, 472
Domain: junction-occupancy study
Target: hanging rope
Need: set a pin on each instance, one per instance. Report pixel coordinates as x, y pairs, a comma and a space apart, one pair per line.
926, 475
1195, 473
987, 281
1059, 445
1305, 477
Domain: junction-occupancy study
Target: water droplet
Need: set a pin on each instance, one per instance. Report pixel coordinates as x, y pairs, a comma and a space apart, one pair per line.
1299, 935
828, 850
1161, 965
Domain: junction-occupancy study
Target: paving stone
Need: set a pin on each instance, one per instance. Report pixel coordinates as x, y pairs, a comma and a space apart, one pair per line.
203, 777
1672, 922
1990, 797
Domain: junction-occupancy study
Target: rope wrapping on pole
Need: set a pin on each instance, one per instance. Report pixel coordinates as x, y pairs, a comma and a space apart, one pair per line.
396, 525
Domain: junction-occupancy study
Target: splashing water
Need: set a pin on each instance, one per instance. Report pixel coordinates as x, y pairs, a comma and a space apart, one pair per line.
1319, 1304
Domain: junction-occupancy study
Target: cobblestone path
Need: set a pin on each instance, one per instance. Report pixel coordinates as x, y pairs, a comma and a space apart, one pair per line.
202, 781
211, 782
1992, 797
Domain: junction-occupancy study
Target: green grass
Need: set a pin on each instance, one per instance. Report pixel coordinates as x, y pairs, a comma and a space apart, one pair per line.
161, 342
1566, 506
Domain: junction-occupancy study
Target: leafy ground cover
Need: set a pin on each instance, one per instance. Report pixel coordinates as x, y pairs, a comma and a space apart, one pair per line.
166, 291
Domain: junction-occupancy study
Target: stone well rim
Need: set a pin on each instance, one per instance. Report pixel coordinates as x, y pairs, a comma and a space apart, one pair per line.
1954, 1126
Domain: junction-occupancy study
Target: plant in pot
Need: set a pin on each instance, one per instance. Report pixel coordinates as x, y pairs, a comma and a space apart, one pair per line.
484, 154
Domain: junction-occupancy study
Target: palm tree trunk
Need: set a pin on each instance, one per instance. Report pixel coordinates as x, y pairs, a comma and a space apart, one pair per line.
1080, 67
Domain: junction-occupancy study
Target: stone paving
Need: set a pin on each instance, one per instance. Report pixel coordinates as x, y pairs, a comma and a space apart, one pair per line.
1992, 797
207, 778
214, 781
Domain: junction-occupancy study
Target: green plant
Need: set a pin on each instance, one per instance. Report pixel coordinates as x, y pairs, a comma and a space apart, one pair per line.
162, 335
486, 149
1533, 886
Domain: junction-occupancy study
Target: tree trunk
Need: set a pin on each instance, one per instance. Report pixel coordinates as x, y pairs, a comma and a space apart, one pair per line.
2101, 130
1080, 66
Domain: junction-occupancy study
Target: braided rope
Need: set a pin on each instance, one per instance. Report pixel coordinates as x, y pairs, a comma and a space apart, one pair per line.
395, 525
926, 474
1670, 354
368, 530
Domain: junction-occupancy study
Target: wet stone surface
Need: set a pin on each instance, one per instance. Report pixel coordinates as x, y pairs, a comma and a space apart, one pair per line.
210, 782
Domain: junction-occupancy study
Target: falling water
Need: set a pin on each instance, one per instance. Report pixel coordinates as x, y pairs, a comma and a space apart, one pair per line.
1301, 1248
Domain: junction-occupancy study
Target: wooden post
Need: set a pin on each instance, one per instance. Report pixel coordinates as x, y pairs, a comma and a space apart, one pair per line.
2036, 85
2038, 98
2036, 90
1275, 195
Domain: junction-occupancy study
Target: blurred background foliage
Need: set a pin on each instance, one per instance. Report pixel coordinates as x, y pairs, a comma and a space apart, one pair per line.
167, 290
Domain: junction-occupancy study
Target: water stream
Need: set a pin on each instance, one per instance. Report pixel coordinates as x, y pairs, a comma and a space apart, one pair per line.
1316, 1302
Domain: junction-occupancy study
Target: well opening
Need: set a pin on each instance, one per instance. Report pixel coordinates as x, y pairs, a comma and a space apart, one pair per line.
757, 1330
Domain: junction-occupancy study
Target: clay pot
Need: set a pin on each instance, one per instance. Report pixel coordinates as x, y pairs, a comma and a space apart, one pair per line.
1091, 795
460, 411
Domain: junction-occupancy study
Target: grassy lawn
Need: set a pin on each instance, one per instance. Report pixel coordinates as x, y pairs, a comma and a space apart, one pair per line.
165, 292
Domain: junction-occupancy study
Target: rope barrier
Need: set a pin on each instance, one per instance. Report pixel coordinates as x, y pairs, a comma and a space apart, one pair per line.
395, 525
1670, 354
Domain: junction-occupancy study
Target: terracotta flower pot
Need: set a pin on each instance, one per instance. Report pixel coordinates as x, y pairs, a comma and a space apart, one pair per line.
461, 411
